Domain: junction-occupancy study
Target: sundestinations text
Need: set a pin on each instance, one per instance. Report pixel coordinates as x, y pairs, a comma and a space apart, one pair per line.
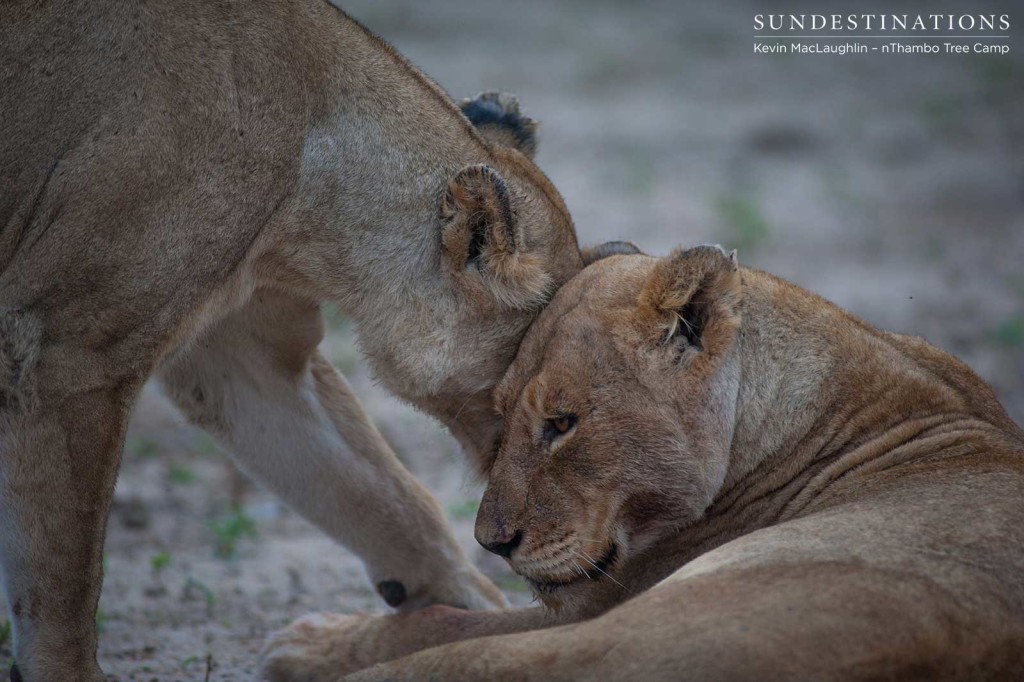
881, 22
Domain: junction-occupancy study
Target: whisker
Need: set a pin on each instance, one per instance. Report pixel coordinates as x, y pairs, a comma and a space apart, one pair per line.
604, 573
599, 570
464, 405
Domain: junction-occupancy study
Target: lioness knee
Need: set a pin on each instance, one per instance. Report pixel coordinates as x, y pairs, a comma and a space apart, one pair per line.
20, 335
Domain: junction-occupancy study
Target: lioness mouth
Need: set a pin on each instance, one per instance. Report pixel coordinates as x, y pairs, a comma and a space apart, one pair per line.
596, 570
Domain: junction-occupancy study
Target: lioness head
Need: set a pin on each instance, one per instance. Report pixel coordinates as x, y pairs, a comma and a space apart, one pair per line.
507, 244
618, 412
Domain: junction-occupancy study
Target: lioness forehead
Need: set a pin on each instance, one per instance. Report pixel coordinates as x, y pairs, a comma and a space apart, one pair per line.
576, 326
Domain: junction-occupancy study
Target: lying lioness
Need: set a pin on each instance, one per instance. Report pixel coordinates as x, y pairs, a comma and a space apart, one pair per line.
774, 489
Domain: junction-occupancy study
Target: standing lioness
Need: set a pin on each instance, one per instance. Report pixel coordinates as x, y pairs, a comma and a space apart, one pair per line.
777, 491
182, 183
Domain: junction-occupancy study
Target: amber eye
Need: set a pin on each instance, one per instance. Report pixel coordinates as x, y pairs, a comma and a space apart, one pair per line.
556, 426
563, 423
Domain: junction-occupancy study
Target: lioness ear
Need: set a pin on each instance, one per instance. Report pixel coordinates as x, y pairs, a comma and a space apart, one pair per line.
497, 117
596, 252
691, 299
480, 235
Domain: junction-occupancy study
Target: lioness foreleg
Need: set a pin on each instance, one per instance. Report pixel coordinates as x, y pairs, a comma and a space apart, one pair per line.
61, 430
844, 594
258, 382
322, 647
828, 621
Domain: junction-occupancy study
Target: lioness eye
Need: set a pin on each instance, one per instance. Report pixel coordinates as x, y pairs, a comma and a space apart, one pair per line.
556, 426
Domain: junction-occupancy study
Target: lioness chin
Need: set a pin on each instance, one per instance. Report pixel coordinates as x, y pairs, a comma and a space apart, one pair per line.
183, 184
709, 473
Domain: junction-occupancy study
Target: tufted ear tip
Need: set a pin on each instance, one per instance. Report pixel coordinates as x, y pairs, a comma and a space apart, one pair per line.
499, 119
596, 252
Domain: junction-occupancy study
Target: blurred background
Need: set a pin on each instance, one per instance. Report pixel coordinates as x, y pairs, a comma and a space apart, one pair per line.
890, 184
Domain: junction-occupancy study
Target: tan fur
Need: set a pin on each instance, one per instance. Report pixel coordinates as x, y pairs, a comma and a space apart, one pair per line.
182, 183
792, 494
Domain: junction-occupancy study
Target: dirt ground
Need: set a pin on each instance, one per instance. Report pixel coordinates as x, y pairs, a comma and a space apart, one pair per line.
891, 185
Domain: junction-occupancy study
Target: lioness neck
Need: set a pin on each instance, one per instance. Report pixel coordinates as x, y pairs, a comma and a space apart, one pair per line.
374, 161
824, 400
823, 393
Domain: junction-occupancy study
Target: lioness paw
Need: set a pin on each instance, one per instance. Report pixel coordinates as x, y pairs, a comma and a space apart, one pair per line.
315, 648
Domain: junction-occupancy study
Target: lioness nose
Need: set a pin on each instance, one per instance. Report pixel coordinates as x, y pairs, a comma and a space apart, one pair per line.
504, 545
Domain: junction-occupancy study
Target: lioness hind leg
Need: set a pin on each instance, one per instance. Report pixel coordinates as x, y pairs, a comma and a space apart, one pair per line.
60, 441
257, 382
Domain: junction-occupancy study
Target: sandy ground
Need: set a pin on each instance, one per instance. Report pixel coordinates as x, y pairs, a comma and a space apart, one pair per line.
894, 186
